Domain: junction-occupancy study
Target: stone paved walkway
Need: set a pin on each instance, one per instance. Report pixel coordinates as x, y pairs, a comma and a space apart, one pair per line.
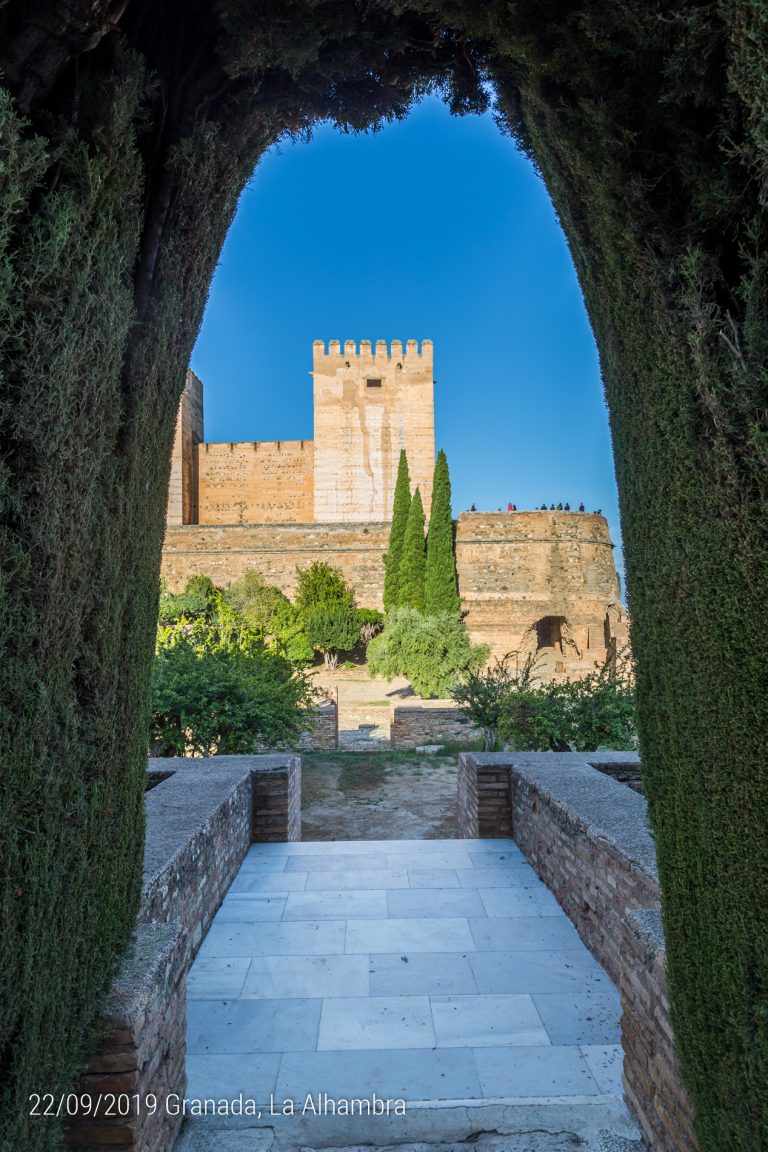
441, 972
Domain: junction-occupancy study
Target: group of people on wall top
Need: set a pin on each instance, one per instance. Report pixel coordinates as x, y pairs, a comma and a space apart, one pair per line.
552, 508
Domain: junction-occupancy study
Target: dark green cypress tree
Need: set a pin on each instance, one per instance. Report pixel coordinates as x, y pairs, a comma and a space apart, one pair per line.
413, 560
400, 509
440, 593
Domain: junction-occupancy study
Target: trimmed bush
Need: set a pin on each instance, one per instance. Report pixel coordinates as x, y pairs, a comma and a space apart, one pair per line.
333, 628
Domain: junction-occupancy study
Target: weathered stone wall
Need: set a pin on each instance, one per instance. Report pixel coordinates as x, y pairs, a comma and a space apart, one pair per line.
225, 552
428, 724
588, 838
260, 483
183, 487
520, 567
369, 405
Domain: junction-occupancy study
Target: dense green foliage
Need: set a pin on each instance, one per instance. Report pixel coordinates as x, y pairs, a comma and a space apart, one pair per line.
433, 652
127, 133
320, 585
333, 628
410, 593
326, 604
515, 710
267, 611
400, 508
197, 601
440, 594
223, 693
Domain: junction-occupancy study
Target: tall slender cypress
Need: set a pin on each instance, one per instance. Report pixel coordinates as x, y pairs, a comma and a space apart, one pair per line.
413, 560
440, 592
400, 509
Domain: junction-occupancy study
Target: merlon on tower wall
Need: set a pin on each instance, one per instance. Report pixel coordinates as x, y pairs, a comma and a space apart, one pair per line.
369, 404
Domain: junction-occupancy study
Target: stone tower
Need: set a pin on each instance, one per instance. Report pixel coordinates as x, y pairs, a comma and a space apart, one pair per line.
368, 405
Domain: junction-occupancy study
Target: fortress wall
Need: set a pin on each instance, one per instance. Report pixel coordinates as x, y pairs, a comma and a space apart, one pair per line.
516, 568
182, 489
224, 552
360, 429
262, 482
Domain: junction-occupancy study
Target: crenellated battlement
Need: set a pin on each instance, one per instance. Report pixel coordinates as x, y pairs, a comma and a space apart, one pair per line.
337, 353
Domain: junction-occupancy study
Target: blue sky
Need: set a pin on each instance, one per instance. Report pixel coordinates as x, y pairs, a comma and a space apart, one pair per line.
433, 227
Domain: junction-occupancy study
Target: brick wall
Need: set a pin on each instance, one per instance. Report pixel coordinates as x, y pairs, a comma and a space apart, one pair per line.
484, 806
200, 821
588, 838
277, 800
427, 724
323, 732
128, 1091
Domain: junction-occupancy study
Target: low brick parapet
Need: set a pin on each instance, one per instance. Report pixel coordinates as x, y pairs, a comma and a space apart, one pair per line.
201, 819
413, 725
588, 837
127, 1095
322, 735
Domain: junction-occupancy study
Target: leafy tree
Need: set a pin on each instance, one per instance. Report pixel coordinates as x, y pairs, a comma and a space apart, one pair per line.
321, 585
413, 559
400, 509
332, 628
440, 594
209, 697
434, 652
254, 601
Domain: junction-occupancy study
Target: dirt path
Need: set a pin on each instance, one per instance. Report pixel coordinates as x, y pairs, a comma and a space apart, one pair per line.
378, 796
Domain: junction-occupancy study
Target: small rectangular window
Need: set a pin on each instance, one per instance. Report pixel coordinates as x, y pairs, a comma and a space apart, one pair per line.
373, 383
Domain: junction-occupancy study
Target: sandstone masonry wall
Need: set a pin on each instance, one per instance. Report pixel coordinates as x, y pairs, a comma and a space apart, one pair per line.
225, 552
517, 568
259, 483
428, 724
368, 405
183, 486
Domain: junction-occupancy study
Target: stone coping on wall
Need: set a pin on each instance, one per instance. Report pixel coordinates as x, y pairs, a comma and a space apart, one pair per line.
587, 836
200, 821
603, 807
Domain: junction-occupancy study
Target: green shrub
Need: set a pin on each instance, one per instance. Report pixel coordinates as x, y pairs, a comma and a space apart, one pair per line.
268, 612
333, 628
225, 697
198, 601
433, 652
320, 585
483, 693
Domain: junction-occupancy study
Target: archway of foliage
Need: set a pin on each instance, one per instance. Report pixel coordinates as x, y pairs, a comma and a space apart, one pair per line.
127, 130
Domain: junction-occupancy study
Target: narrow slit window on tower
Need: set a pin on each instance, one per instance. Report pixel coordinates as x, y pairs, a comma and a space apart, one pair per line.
373, 383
